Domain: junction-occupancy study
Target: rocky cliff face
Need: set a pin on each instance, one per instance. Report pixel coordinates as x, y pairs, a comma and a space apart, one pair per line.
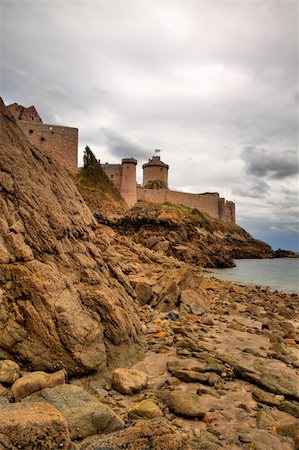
190, 236
61, 305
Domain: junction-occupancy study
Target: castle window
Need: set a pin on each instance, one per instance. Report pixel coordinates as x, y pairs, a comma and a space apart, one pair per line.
30, 131
42, 139
111, 176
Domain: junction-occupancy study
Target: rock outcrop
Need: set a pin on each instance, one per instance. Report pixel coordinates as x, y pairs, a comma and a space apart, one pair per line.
150, 434
84, 413
60, 304
190, 235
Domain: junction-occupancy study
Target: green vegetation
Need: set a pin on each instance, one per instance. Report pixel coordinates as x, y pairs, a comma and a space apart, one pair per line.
93, 177
94, 185
198, 218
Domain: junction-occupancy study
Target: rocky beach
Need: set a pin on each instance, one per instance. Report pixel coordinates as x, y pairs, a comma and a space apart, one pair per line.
111, 336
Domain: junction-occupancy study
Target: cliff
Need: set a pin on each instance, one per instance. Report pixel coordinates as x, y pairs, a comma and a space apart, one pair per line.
189, 235
61, 304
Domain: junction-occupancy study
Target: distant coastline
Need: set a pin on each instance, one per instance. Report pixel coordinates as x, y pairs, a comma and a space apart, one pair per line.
280, 274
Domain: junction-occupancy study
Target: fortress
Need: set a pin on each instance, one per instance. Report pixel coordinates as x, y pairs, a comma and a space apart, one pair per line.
154, 188
62, 144
59, 142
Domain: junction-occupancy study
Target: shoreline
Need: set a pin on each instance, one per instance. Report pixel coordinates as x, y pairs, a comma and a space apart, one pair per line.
237, 275
237, 351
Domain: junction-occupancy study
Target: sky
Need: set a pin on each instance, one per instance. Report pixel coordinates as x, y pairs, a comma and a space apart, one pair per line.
212, 84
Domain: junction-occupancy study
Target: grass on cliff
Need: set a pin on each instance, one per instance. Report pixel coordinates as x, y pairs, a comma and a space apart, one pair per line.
96, 188
198, 218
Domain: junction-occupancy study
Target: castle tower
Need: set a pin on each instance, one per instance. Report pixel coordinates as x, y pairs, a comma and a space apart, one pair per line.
128, 181
155, 174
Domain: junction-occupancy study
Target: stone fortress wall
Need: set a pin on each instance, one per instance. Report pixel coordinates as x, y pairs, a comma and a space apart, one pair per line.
154, 189
123, 176
114, 173
210, 203
60, 142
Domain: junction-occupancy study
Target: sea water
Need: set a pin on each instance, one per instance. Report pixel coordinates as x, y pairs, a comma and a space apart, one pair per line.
278, 274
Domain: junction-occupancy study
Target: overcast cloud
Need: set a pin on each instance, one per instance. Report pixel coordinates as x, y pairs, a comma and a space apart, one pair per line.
264, 162
213, 84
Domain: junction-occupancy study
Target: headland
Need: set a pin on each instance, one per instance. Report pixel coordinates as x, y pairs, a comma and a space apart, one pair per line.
111, 336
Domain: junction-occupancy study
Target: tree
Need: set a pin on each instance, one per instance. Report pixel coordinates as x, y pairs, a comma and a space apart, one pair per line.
89, 160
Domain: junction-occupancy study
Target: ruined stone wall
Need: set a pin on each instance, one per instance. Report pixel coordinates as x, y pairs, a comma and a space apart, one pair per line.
114, 173
230, 212
20, 112
209, 203
57, 141
222, 213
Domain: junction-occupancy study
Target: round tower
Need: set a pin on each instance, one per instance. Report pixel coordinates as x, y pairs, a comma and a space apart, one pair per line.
155, 174
128, 189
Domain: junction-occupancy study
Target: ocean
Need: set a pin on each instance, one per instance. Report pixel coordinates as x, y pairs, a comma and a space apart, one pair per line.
280, 274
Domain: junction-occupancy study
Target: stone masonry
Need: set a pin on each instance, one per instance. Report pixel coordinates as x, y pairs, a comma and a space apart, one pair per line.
22, 113
123, 176
60, 142
154, 189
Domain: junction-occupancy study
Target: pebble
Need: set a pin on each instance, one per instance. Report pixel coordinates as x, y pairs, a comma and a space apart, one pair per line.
172, 316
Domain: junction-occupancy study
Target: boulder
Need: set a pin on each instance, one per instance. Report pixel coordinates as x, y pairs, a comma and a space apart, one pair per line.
169, 287
162, 246
185, 404
150, 434
264, 418
190, 376
32, 426
9, 371
36, 381
237, 289
145, 410
85, 415
144, 293
192, 302
207, 283
290, 429
169, 296
289, 407
128, 381
282, 382
265, 397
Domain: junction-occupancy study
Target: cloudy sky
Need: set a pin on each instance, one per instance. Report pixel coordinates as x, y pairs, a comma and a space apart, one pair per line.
211, 83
